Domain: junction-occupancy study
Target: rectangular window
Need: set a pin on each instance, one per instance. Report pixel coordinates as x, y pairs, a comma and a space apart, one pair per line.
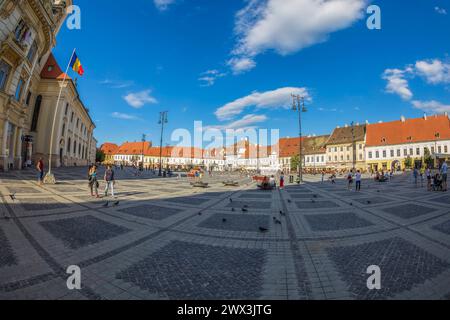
432, 150
392, 153
360, 156
19, 90
27, 101
411, 151
384, 153
4, 73
418, 151
370, 155
32, 52
405, 152
439, 149
377, 154
398, 153
445, 149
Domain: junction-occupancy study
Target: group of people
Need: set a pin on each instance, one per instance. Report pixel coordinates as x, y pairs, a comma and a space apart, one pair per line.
108, 178
436, 181
351, 177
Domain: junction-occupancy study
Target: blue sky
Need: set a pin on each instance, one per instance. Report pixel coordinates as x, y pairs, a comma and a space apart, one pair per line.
233, 64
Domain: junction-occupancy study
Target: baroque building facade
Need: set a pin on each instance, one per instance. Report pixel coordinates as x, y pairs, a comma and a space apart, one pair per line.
28, 30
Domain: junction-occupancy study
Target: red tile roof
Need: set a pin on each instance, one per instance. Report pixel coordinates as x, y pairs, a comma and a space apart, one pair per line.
109, 148
408, 131
289, 147
52, 70
133, 148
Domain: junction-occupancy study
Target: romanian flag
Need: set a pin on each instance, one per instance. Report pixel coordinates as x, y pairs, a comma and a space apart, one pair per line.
75, 64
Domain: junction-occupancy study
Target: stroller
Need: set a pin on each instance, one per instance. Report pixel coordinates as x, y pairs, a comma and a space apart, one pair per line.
437, 183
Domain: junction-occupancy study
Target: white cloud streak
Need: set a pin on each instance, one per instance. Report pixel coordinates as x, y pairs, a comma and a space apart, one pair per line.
163, 5
279, 98
440, 10
247, 122
431, 106
139, 99
123, 116
208, 78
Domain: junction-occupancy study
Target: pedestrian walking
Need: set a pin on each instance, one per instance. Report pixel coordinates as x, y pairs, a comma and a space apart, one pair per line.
349, 180
109, 181
444, 169
40, 169
428, 175
415, 175
422, 176
323, 176
358, 180
93, 182
282, 181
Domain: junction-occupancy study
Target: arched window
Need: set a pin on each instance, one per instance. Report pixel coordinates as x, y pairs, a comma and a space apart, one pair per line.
68, 145
63, 130
37, 110
74, 148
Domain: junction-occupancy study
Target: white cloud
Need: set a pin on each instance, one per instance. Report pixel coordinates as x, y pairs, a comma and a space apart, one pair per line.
116, 84
435, 71
431, 106
139, 99
163, 4
247, 122
397, 83
208, 78
123, 116
241, 65
288, 26
279, 98
440, 10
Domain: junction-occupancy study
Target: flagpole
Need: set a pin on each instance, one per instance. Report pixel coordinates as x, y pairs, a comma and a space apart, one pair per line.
50, 178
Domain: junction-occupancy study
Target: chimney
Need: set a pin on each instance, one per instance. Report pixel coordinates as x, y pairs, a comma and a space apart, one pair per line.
403, 119
380, 121
424, 116
367, 122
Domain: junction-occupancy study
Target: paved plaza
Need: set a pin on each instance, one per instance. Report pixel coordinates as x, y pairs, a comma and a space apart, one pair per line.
168, 240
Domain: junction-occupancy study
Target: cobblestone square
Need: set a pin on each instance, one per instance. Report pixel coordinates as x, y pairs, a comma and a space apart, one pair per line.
161, 238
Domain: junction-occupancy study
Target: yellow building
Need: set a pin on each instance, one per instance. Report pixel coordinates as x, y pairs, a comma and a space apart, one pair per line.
27, 34
346, 148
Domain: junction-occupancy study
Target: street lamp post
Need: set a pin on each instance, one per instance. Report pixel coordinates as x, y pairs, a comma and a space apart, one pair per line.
162, 121
144, 138
353, 147
298, 104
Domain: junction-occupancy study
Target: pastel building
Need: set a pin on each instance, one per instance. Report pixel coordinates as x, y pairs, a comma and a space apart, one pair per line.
389, 144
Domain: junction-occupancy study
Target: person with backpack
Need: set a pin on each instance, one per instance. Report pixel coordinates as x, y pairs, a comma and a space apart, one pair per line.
109, 180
